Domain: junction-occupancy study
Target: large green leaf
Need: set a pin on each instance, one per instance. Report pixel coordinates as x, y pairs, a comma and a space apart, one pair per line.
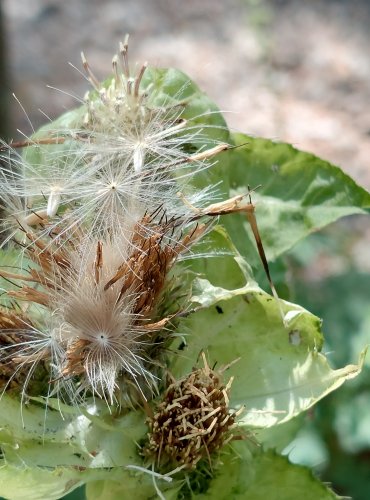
171, 87
280, 372
265, 476
299, 193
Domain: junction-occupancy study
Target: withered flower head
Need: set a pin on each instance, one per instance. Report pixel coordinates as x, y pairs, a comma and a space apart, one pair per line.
192, 421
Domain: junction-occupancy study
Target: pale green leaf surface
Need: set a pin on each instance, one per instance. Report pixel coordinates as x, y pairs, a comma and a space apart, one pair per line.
139, 487
11, 261
43, 483
278, 437
55, 453
94, 438
36, 483
222, 265
280, 371
241, 474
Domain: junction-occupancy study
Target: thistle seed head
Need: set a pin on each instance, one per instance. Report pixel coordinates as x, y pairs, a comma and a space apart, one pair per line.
102, 212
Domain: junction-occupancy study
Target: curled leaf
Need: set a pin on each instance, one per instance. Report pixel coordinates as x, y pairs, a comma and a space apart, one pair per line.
280, 372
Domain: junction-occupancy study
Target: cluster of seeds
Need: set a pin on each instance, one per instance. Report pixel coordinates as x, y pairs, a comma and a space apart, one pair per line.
100, 213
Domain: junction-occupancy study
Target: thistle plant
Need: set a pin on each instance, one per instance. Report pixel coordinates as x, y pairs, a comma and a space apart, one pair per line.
138, 355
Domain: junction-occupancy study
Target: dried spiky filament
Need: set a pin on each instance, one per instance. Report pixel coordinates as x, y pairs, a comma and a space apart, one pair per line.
192, 421
94, 190
10, 339
22, 354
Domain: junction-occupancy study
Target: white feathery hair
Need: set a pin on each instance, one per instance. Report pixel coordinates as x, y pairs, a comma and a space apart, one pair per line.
38, 343
102, 321
127, 161
129, 157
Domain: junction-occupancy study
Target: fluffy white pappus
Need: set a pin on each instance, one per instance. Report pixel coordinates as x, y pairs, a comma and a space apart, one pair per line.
13, 216
130, 157
63, 195
74, 190
101, 335
125, 126
32, 194
116, 200
44, 172
155, 155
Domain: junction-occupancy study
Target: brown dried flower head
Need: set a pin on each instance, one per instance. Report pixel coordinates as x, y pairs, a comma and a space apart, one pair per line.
192, 421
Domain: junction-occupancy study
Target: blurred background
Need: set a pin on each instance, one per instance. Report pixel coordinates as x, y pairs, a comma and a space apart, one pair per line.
289, 70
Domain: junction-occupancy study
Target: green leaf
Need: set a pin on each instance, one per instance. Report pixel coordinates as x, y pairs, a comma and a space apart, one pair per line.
36, 483
280, 371
171, 87
299, 194
13, 262
265, 476
65, 448
140, 487
280, 436
69, 437
223, 265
